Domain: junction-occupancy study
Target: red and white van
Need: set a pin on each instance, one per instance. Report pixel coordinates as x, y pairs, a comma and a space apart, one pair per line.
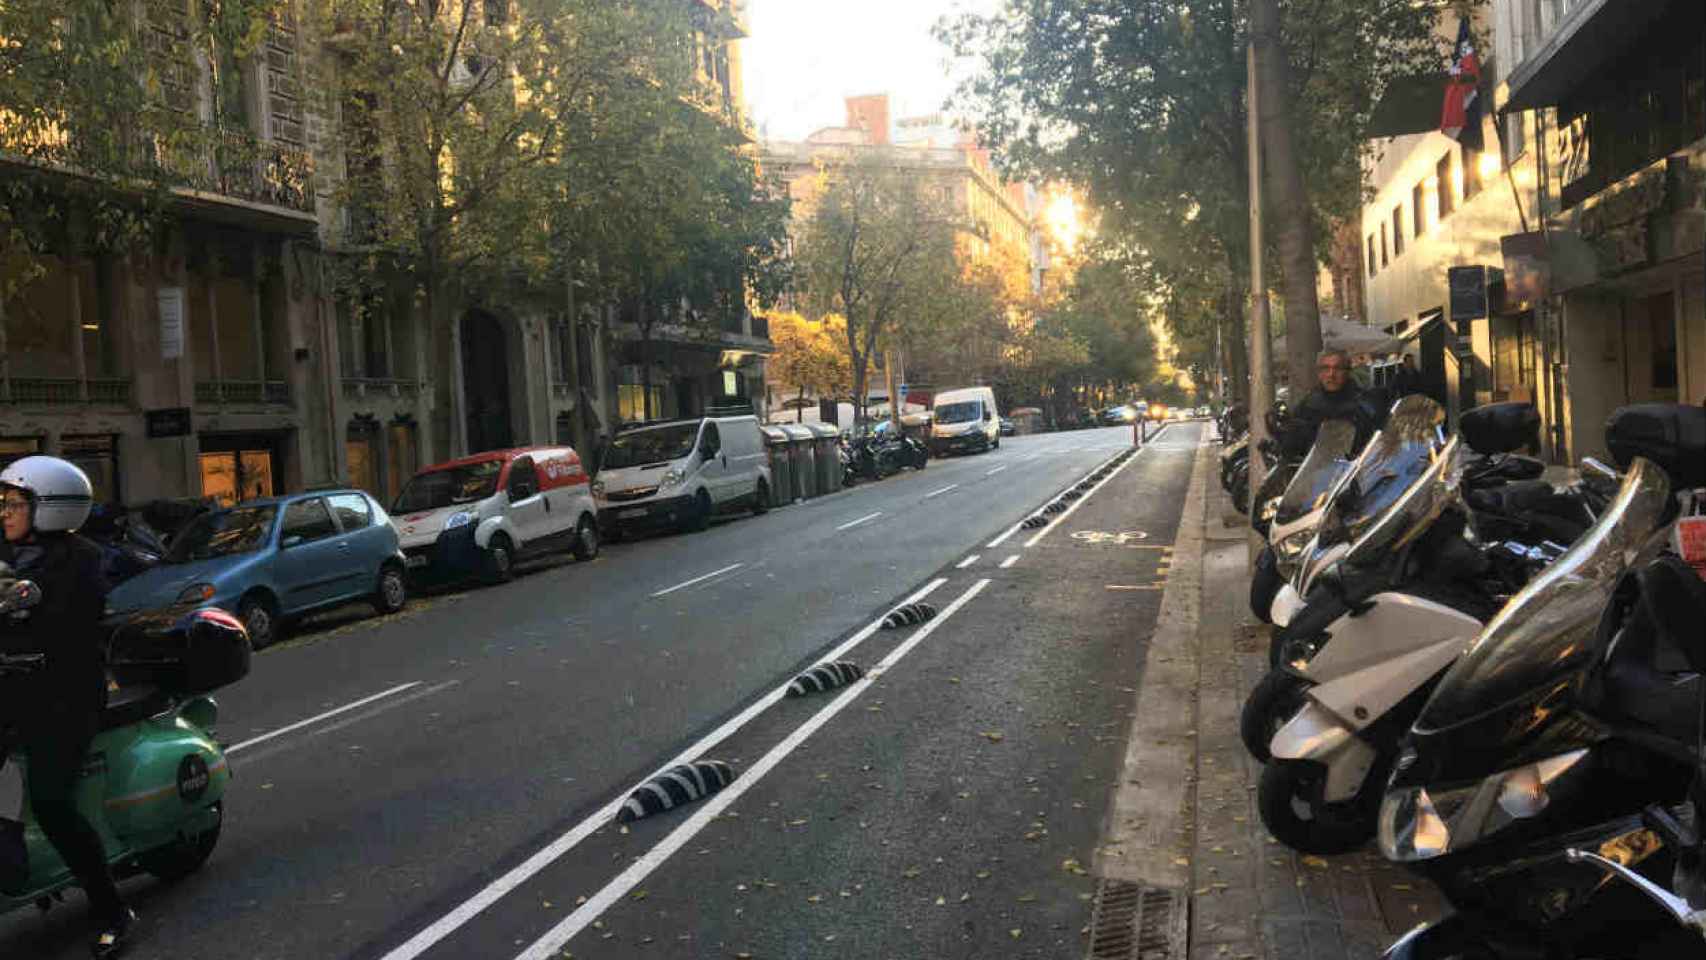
476, 516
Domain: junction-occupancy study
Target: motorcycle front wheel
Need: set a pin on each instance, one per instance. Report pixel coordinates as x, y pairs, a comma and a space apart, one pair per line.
1288, 797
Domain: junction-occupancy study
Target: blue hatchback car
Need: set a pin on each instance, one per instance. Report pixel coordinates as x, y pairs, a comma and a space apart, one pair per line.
272, 560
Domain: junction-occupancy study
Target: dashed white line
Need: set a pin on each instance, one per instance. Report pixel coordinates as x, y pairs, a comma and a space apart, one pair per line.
854, 523
298, 725
547, 946
937, 493
496, 890
698, 579
1009, 561
996, 470
966, 562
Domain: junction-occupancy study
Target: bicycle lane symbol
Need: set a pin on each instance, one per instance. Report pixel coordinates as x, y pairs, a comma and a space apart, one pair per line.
1126, 538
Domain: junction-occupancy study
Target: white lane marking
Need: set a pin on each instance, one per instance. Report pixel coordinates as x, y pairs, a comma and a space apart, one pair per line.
698, 579
945, 489
547, 946
496, 890
348, 720
996, 470
1062, 515
298, 725
966, 562
998, 541
1009, 561
854, 523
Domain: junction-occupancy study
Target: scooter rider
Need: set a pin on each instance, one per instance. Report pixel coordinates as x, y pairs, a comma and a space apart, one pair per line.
1338, 397
57, 712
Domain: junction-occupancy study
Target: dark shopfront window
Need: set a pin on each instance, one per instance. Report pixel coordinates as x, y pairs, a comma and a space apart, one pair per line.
1644, 106
97, 455
17, 448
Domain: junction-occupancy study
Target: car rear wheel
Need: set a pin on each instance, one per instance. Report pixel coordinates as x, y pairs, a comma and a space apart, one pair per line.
761, 498
392, 592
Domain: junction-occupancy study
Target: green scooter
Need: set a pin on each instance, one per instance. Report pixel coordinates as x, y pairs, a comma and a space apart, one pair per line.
154, 783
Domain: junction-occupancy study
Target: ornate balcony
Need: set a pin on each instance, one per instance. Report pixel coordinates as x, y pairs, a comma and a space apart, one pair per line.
248, 392
358, 388
236, 163
65, 391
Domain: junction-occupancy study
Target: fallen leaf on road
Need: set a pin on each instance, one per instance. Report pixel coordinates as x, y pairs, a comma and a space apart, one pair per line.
814, 898
910, 872
639, 895
1028, 898
1316, 862
1015, 933
982, 874
994, 736
941, 901
1181, 861
1073, 866
964, 897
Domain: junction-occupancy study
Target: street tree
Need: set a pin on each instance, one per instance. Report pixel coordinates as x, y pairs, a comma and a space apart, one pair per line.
1141, 105
809, 357
877, 250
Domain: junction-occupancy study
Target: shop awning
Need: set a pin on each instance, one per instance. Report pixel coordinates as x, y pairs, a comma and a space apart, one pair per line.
1408, 105
1590, 36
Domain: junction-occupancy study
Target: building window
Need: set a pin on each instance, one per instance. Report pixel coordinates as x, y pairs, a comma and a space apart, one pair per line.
1447, 188
97, 456
1371, 254
1383, 260
360, 443
1418, 209
234, 476
565, 429
1471, 172
1398, 230
631, 402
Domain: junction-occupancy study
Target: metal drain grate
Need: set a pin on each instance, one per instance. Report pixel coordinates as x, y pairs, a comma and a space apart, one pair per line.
1132, 922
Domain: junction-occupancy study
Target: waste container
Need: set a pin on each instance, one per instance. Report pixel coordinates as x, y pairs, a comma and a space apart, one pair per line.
781, 466
800, 440
825, 442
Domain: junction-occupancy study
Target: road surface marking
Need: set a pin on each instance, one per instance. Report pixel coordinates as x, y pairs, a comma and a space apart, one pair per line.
966, 562
945, 489
1130, 586
547, 946
1087, 495
998, 541
698, 579
854, 523
996, 470
1009, 561
496, 890
298, 725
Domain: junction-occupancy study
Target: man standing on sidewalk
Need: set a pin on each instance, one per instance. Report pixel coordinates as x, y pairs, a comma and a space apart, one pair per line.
1338, 397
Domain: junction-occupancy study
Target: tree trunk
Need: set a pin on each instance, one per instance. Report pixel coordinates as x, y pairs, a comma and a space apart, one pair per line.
1287, 202
800, 406
449, 404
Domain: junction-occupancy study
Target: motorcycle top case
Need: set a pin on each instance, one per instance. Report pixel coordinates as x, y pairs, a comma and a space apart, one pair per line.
1669, 434
1500, 427
182, 652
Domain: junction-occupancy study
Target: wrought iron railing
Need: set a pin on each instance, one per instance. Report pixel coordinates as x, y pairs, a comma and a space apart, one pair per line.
108, 391
359, 387
64, 391
242, 391
236, 163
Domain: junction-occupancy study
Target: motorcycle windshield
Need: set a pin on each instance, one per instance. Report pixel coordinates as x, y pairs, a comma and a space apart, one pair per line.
1413, 511
1548, 627
1328, 460
1407, 447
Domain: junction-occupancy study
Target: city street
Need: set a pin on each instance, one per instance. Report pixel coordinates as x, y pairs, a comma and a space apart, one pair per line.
443, 783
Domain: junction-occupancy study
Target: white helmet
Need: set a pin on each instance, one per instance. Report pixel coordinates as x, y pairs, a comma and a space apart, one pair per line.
59, 491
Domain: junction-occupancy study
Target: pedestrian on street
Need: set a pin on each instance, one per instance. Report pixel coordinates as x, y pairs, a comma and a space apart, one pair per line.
1406, 379
1337, 397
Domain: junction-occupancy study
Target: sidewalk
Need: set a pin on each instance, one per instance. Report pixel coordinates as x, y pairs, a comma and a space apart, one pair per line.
1349, 906
1187, 819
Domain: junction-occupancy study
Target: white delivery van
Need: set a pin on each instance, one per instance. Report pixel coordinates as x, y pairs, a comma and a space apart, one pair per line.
679, 474
963, 420
477, 515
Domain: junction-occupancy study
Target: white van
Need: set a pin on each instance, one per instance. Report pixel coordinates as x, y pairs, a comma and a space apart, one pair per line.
477, 515
678, 474
963, 420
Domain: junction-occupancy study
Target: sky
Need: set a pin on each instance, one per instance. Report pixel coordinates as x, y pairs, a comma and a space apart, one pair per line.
804, 56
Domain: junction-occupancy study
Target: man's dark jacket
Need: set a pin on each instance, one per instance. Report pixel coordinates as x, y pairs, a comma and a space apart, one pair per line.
1364, 408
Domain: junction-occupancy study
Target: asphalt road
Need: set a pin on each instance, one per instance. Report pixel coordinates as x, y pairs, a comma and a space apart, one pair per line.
439, 783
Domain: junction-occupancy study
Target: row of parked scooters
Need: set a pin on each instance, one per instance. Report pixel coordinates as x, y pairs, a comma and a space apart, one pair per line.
1497, 677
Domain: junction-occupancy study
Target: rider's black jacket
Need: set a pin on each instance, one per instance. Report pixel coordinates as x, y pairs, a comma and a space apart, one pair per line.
65, 625
1364, 408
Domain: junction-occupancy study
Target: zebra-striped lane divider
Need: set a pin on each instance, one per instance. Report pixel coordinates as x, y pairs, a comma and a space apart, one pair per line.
1034, 521
908, 615
1055, 507
676, 787
825, 676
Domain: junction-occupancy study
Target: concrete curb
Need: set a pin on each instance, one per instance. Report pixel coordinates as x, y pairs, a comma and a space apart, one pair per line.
1147, 838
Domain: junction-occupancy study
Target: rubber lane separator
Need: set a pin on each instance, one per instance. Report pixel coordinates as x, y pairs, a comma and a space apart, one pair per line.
998, 541
492, 892
698, 579
329, 714
547, 946
854, 523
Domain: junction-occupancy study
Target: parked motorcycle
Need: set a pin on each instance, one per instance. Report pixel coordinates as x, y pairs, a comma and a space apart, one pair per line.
1289, 520
157, 797
1398, 608
129, 545
1559, 742
882, 452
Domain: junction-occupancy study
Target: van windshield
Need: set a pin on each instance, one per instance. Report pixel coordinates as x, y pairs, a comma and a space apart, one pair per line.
964, 412
437, 489
652, 445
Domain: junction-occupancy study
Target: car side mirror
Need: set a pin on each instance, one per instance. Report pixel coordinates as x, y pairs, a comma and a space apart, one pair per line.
291, 541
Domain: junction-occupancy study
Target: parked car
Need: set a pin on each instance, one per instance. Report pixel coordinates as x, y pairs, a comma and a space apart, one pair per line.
1119, 414
479, 515
1007, 428
963, 420
273, 560
681, 473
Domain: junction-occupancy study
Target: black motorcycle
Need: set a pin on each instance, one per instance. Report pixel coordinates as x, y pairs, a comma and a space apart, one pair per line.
879, 453
129, 544
1571, 726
